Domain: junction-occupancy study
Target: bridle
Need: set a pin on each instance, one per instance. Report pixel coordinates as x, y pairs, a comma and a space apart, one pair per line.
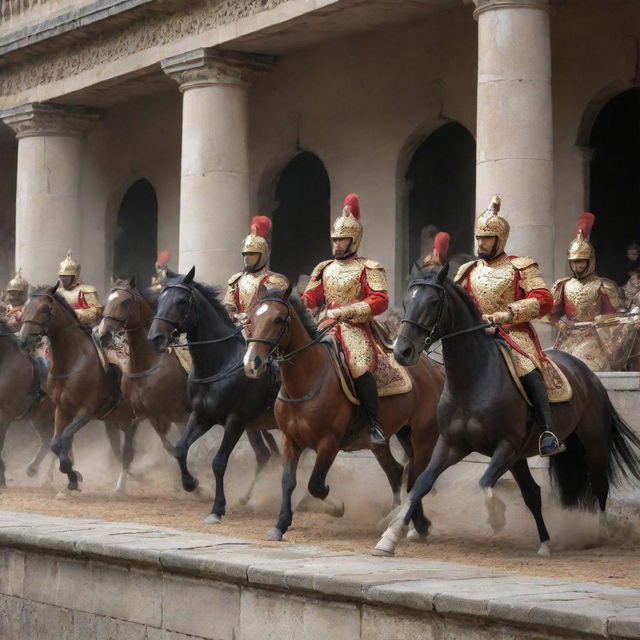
442, 308
43, 327
124, 321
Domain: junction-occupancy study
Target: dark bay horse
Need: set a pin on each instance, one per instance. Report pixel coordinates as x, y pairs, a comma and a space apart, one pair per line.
154, 385
219, 391
481, 410
21, 397
78, 385
313, 412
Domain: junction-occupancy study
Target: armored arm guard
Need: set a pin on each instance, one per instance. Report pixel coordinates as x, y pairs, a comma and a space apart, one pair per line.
538, 300
88, 308
313, 295
558, 310
615, 295
229, 300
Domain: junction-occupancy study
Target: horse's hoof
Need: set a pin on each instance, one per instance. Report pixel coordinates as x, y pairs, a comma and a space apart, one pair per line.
382, 553
213, 518
274, 534
32, 471
415, 536
190, 485
63, 494
335, 509
544, 550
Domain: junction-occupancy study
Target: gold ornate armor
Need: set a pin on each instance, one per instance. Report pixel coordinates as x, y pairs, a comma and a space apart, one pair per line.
82, 298
582, 299
12, 313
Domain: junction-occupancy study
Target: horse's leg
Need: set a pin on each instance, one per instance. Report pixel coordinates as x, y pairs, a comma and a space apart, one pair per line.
195, 429
233, 429
325, 455
444, 456
501, 461
272, 444
532, 498
262, 458
392, 468
129, 429
113, 435
61, 446
161, 426
4, 427
421, 453
44, 429
290, 466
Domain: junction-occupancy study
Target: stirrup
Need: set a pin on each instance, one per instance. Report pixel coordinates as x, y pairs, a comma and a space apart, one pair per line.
377, 436
551, 447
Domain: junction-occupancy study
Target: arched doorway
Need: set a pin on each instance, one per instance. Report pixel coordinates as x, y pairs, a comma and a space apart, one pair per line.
615, 182
301, 222
441, 182
135, 246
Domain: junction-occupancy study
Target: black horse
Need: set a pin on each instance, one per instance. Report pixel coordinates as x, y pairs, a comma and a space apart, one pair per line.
482, 410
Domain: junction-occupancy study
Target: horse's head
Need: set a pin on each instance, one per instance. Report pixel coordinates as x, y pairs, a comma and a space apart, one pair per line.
121, 311
36, 317
424, 313
176, 311
268, 329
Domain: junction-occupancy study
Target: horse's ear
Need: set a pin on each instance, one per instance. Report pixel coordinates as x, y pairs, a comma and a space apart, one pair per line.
132, 282
263, 292
188, 279
55, 287
443, 273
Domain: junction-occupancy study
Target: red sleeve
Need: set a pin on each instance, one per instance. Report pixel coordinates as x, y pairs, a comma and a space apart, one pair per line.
557, 308
314, 298
377, 300
544, 298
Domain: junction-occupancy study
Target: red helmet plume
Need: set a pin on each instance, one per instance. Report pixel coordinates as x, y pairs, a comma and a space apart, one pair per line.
585, 223
441, 246
261, 226
162, 258
352, 202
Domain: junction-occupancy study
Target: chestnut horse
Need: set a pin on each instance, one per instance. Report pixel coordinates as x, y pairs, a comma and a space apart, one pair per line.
154, 385
78, 385
313, 412
22, 378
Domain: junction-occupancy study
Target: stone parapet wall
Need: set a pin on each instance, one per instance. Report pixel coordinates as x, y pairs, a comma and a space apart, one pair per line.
63, 578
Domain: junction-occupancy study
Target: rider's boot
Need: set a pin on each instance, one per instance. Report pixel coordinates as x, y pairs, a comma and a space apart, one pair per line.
548, 444
368, 395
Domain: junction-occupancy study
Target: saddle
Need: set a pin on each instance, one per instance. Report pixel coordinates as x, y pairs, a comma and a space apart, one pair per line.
558, 386
391, 379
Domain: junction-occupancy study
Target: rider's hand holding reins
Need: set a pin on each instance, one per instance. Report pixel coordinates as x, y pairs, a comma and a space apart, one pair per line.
499, 317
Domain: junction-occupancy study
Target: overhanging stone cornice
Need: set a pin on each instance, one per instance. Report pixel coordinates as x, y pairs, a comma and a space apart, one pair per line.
38, 119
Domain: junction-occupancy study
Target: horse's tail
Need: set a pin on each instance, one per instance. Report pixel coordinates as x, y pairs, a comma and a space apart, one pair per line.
624, 448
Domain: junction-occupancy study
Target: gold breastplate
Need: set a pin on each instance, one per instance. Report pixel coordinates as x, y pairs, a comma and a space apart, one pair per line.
248, 285
70, 295
341, 282
493, 284
584, 297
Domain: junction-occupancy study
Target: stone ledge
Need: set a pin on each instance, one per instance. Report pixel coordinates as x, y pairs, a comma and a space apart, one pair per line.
421, 588
620, 380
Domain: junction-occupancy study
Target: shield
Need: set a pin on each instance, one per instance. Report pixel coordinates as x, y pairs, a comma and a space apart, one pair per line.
617, 335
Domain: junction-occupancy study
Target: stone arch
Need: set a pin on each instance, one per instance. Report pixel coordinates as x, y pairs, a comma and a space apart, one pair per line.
300, 210
135, 232
436, 189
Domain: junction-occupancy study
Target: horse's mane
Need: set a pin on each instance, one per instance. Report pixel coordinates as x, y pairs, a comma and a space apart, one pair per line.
210, 293
308, 321
57, 296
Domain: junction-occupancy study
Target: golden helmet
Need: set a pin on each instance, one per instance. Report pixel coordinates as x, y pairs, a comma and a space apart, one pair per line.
18, 283
580, 248
490, 223
69, 267
348, 224
256, 241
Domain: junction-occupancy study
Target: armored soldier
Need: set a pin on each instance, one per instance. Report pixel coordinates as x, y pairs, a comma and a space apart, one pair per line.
82, 298
510, 292
352, 289
242, 287
14, 299
582, 297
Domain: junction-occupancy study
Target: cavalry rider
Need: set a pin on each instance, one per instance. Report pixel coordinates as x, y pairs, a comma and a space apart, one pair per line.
581, 298
82, 298
352, 289
14, 299
509, 291
242, 287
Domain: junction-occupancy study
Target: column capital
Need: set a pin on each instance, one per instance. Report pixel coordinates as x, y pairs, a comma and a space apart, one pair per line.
206, 67
48, 119
490, 5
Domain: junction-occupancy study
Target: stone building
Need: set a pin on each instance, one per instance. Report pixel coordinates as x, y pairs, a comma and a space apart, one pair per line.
138, 125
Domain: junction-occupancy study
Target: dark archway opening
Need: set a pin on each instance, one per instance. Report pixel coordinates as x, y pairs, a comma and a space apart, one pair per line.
442, 184
135, 246
615, 183
301, 222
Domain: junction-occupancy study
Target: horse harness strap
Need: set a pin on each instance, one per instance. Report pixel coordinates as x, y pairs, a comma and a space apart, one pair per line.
143, 374
314, 392
218, 376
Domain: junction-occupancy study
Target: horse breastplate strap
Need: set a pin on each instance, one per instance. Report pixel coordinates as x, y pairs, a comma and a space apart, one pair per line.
493, 285
584, 299
341, 281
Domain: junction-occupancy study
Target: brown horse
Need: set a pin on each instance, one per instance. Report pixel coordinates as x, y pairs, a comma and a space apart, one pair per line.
78, 385
154, 385
313, 412
21, 397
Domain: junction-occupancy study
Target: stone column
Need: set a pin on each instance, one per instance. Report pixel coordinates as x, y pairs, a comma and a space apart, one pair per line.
48, 207
515, 126
214, 188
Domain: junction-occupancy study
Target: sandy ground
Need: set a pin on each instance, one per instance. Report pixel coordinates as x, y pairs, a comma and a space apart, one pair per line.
460, 532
